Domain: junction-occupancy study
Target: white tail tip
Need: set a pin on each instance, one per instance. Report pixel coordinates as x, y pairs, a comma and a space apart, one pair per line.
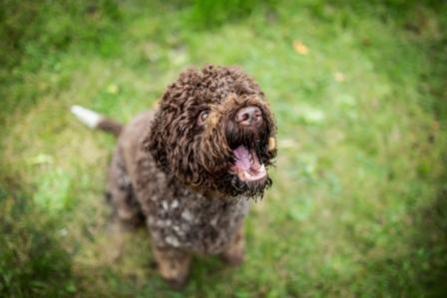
88, 117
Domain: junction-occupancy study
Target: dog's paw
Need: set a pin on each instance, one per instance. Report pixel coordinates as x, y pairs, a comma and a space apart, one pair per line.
177, 284
234, 255
233, 259
173, 266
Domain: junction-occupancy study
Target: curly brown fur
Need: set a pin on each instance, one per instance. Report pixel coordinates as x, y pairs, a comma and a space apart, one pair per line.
176, 167
201, 155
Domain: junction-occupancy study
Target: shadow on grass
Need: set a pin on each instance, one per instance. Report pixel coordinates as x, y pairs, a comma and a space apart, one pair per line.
430, 241
32, 261
422, 269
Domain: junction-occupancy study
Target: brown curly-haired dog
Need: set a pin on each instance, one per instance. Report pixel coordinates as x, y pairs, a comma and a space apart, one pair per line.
189, 168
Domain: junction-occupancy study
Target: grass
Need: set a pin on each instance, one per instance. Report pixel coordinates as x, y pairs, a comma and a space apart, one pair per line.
358, 207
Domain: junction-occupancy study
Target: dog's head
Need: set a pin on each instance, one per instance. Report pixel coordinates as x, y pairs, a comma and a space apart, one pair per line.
214, 131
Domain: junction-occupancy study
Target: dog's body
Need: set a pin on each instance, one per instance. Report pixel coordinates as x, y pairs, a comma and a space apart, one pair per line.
176, 215
187, 170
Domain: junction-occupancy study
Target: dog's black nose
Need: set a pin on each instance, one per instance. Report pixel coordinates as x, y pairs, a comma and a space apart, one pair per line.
249, 116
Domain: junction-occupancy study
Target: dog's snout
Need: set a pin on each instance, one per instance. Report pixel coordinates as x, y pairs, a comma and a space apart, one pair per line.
249, 116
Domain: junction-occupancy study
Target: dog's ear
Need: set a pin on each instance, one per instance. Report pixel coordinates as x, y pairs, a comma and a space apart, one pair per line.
163, 137
155, 142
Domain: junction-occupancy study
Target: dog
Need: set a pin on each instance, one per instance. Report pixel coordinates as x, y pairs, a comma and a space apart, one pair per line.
189, 169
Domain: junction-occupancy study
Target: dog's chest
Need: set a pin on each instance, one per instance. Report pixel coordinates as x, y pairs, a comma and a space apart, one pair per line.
178, 217
196, 223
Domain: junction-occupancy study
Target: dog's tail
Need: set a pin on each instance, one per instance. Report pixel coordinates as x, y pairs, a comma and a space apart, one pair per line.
97, 121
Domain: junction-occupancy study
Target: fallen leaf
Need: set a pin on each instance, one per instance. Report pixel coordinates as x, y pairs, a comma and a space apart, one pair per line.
288, 143
41, 159
311, 115
339, 76
112, 89
300, 48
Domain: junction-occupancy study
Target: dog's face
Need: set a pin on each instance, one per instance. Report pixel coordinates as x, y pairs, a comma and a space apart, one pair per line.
214, 131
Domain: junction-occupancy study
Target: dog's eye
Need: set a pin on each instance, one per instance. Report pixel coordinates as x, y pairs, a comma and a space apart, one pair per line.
202, 117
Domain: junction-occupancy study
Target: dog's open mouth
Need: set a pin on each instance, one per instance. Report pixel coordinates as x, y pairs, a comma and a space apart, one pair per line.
247, 165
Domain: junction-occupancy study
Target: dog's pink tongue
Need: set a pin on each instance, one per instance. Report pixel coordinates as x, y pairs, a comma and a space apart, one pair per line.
247, 165
246, 160
242, 158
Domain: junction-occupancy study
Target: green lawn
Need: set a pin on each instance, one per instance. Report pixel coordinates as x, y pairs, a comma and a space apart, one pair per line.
359, 202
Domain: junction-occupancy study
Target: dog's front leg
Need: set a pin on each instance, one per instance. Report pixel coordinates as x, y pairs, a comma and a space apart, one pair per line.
235, 253
173, 265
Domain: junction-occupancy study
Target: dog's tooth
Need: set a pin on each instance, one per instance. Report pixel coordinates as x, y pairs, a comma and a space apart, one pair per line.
272, 144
